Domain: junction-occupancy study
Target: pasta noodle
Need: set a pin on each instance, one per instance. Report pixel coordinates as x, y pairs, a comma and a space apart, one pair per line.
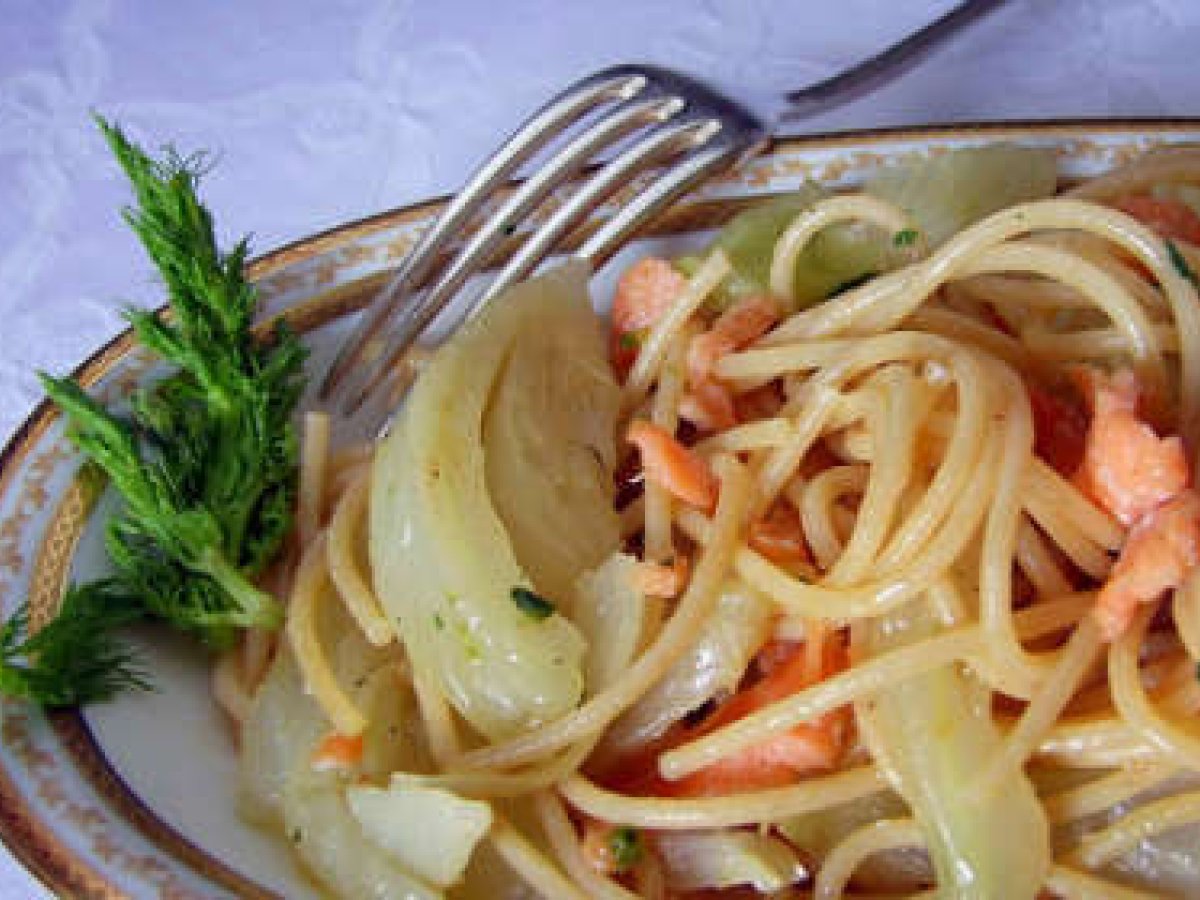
1161, 815
532, 865
314, 455
975, 620
312, 589
719, 812
840, 864
345, 574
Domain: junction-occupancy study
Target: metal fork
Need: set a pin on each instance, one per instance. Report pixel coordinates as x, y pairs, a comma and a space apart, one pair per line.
657, 120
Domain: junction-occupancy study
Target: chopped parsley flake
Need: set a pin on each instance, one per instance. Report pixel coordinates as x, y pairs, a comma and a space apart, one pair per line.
533, 605
469, 642
625, 844
1181, 264
905, 238
438, 622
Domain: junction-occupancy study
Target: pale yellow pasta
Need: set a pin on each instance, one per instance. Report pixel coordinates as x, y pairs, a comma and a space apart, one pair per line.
1186, 609
314, 459
889, 495
1119, 786
312, 588
1071, 884
440, 728
758, 435
717, 812
839, 866
860, 207
1045, 707
819, 499
485, 783
1095, 743
1143, 823
1159, 728
229, 688
654, 348
671, 381
812, 702
349, 579
531, 865
561, 835
1038, 563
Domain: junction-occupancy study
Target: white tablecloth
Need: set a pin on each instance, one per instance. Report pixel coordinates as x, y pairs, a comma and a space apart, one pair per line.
330, 110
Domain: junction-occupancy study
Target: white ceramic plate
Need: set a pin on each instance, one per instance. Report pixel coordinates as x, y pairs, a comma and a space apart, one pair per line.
135, 798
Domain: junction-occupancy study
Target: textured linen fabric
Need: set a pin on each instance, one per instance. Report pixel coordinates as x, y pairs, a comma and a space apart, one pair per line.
322, 112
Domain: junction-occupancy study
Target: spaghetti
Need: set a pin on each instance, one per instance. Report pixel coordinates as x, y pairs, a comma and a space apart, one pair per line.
966, 644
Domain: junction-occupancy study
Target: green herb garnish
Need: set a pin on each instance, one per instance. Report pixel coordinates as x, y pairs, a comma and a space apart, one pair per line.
625, 844
533, 605
207, 464
905, 237
74, 658
205, 460
1181, 264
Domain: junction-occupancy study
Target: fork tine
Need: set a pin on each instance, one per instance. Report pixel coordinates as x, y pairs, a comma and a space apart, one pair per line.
714, 133
381, 393
406, 323
659, 146
567, 108
669, 187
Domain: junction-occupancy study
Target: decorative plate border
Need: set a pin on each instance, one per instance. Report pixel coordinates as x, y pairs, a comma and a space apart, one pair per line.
64, 811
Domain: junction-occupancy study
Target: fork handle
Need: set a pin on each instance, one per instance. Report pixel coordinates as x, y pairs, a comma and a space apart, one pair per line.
885, 66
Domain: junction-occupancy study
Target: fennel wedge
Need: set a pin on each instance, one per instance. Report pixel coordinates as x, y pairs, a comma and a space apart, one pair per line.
494, 482
946, 193
932, 733
278, 786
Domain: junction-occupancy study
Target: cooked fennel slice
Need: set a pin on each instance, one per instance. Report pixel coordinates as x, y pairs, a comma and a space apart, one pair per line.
279, 787
428, 831
719, 859
931, 733
611, 613
481, 488
944, 194
710, 670
549, 437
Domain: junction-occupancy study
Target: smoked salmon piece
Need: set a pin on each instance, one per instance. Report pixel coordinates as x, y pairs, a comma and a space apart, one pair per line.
1156, 557
1126, 468
645, 292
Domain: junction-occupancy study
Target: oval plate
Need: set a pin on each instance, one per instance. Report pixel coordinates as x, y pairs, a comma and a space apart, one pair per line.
136, 798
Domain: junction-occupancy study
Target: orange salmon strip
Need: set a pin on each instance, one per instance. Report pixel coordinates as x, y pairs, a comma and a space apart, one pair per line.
1141, 479
673, 466
1169, 218
338, 751
777, 760
1158, 553
1126, 467
644, 293
747, 320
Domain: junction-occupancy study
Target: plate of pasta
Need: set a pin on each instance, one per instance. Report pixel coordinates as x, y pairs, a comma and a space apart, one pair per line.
838, 538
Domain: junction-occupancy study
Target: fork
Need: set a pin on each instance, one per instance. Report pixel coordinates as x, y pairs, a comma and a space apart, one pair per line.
662, 124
